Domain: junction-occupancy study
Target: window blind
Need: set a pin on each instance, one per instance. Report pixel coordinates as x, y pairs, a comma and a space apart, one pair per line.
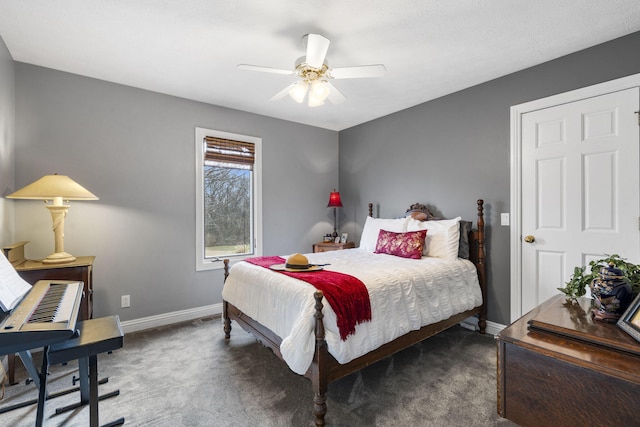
229, 153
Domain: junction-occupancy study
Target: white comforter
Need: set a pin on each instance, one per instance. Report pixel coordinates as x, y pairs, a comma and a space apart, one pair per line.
405, 295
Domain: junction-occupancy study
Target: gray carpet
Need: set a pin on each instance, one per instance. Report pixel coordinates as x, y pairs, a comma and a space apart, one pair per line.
187, 375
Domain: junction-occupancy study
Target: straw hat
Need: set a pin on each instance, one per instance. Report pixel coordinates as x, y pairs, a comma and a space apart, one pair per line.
296, 263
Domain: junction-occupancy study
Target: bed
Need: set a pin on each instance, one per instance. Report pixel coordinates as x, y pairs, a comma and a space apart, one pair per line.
293, 319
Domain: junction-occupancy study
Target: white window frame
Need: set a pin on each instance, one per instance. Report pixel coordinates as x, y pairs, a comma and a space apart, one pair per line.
203, 263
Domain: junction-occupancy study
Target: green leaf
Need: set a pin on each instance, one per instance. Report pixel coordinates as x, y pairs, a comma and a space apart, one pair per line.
578, 282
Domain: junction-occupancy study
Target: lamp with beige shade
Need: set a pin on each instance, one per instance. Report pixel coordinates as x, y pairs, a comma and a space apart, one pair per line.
56, 189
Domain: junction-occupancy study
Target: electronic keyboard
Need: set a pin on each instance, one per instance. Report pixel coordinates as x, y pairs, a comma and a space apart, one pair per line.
46, 315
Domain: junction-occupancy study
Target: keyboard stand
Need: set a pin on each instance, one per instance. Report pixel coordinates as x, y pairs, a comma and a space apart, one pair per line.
40, 379
49, 396
96, 336
34, 377
30, 366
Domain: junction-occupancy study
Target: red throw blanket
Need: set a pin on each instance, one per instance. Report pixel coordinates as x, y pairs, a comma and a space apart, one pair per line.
346, 294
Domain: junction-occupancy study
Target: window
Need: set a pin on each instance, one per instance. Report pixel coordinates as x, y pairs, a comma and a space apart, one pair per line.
228, 197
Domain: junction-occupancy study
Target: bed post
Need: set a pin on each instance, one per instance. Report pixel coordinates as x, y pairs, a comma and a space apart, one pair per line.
225, 309
371, 210
319, 365
482, 318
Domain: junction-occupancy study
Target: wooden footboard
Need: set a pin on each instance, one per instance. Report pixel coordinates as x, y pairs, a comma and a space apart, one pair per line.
324, 368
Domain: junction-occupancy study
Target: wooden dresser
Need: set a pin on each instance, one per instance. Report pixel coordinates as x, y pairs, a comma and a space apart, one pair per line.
559, 367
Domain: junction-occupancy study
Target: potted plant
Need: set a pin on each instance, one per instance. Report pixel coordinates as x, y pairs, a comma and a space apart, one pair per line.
580, 280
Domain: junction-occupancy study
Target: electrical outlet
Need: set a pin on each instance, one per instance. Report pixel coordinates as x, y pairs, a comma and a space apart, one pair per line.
125, 301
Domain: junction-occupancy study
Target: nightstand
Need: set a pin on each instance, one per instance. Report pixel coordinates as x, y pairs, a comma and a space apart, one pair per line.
330, 246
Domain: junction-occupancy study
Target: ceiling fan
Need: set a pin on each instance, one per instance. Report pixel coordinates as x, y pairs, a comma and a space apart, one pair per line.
314, 72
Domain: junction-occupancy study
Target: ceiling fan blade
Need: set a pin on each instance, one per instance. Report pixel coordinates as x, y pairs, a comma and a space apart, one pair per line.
358, 72
264, 69
284, 92
317, 47
335, 96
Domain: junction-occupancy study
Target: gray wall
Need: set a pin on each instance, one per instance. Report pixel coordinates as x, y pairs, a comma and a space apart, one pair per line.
456, 149
7, 144
135, 150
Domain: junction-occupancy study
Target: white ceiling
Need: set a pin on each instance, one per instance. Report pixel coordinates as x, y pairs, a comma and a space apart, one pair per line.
191, 48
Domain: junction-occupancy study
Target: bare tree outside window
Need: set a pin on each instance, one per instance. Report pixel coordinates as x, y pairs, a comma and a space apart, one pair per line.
227, 211
228, 203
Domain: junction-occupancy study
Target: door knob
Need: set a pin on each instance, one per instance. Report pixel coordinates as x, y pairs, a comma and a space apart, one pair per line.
529, 239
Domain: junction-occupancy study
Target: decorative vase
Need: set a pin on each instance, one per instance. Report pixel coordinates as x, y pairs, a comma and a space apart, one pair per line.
610, 294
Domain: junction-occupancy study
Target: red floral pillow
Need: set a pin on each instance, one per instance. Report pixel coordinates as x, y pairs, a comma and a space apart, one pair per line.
405, 245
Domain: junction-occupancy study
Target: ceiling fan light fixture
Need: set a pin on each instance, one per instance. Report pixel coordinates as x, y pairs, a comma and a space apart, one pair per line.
318, 92
315, 75
319, 89
314, 101
298, 92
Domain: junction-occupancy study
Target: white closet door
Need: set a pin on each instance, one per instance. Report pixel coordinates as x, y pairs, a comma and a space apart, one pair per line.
580, 189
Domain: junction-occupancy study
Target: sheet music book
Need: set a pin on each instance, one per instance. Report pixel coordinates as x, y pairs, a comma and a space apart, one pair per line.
12, 287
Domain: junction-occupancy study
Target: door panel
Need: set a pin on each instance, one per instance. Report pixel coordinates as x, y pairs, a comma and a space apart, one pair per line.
599, 191
550, 270
550, 211
580, 189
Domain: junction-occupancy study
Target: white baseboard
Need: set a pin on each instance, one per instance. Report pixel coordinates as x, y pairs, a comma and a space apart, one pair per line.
170, 318
494, 328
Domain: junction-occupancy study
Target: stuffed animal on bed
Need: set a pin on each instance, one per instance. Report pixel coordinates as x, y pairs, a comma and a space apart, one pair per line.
419, 212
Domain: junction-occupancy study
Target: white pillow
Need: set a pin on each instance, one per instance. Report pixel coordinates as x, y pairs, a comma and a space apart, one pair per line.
372, 227
442, 237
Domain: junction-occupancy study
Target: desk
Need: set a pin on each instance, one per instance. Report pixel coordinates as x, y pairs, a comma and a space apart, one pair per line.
559, 367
